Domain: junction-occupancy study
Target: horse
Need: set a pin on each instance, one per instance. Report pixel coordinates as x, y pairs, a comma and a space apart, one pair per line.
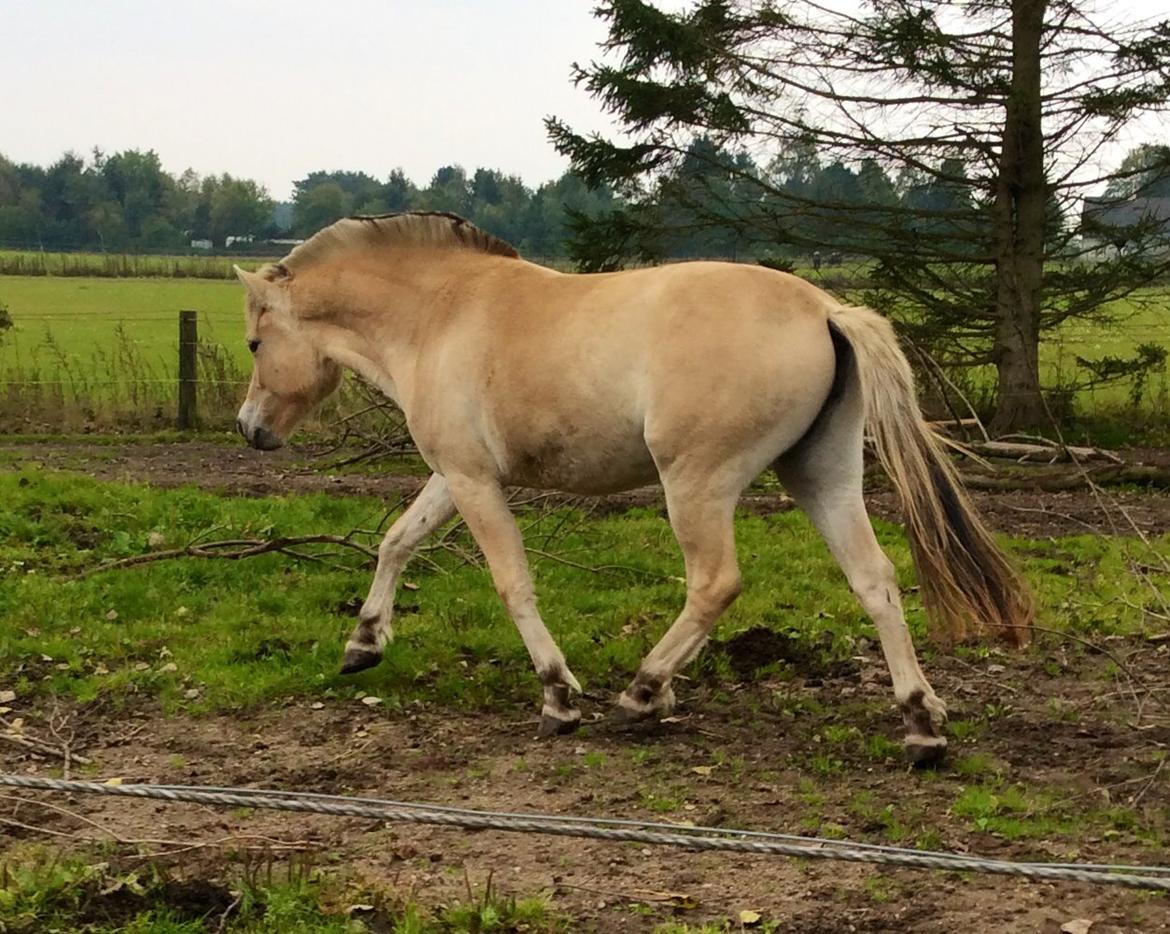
700, 375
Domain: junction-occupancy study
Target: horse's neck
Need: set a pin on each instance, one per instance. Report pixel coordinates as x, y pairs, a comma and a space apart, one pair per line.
378, 331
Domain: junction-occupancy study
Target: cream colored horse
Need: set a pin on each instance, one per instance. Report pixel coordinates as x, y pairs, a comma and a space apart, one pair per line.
700, 375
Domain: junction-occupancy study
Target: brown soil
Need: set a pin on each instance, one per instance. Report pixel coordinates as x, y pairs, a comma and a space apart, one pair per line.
237, 470
738, 755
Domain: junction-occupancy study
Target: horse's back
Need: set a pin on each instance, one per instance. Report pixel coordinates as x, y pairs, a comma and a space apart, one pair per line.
588, 382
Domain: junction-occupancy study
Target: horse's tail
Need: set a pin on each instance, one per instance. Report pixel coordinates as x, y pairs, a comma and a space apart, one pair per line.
966, 581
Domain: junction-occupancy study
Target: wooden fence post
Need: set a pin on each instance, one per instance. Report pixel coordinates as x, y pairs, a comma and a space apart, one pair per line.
188, 368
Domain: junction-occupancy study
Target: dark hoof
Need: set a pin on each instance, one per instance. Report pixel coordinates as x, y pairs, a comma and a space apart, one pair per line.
356, 660
627, 710
558, 726
925, 752
642, 702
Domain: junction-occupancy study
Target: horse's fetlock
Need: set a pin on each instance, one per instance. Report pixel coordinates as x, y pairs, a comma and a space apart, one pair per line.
923, 713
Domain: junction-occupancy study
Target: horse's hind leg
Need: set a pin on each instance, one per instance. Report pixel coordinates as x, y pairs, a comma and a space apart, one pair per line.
823, 474
701, 513
430, 509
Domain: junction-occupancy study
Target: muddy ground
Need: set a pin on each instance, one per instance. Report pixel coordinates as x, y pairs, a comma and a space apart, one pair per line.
1084, 728
736, 760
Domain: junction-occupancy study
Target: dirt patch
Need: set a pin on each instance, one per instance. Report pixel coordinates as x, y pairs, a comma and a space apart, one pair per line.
236, 470
1062, 744
753, 649
184, 900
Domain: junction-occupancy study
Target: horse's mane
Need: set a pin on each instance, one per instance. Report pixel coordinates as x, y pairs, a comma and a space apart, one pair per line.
416, 228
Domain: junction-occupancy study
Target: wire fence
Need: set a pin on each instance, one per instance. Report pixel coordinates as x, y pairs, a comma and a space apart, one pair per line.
695, 838
62, 369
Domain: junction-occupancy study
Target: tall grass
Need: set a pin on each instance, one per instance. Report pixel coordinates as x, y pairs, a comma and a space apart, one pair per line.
116, 386
121, 265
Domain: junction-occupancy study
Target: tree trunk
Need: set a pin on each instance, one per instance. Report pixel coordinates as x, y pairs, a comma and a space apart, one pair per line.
1020, 199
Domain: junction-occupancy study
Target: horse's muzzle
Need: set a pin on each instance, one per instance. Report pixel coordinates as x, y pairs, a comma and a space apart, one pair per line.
259, 437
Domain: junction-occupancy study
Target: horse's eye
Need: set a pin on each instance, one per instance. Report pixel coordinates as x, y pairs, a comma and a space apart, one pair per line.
253, 346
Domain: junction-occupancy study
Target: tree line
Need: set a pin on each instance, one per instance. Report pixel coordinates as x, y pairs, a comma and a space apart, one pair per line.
816, 202
128, 202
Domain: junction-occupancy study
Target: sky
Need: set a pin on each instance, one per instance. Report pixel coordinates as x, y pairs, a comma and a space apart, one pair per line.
273, 90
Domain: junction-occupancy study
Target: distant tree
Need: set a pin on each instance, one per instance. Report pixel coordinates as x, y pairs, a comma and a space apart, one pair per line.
68, 192
108, 222
137, 182
239, 207
127, 201
1144, 173
319, 205
22, 220
449, 190
398, 192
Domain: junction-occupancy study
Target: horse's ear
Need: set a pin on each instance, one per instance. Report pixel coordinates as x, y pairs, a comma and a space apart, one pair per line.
253, 282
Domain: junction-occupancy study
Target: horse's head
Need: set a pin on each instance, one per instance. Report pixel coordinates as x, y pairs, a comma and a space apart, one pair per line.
289, 373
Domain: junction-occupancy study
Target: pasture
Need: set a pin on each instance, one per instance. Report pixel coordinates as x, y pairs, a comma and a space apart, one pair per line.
224, 672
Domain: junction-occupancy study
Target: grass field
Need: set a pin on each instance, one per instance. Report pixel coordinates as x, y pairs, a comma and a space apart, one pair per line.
81, 314
222, 628
87, 353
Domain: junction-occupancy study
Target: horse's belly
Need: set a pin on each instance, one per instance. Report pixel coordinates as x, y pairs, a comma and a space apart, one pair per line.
564, 461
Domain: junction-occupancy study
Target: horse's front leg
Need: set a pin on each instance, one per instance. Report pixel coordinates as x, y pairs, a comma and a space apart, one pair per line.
485, 510
430, 509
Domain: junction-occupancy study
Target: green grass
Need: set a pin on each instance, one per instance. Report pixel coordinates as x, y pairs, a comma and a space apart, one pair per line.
103, 353
43, 893
1144, 318
203, 636
81, 315
207, 635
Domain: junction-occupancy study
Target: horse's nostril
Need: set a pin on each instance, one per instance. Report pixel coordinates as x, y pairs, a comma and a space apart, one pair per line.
240, 428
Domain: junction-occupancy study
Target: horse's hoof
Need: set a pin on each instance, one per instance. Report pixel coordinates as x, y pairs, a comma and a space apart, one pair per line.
558, 724
356, 660
925, 752
631, 710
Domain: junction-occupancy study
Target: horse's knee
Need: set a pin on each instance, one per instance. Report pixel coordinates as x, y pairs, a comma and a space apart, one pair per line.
876, 588
717, 592
392, 551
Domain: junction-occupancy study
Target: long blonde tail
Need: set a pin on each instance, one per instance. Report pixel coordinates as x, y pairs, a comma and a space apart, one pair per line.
967, 583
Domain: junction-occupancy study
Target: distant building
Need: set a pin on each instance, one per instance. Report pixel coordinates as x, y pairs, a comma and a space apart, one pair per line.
201, 244
1124, 223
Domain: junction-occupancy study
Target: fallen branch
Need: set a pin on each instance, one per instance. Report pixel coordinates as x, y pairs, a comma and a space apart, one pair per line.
44, 748
1054, 480
15, 734
235, 550
1033, 452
